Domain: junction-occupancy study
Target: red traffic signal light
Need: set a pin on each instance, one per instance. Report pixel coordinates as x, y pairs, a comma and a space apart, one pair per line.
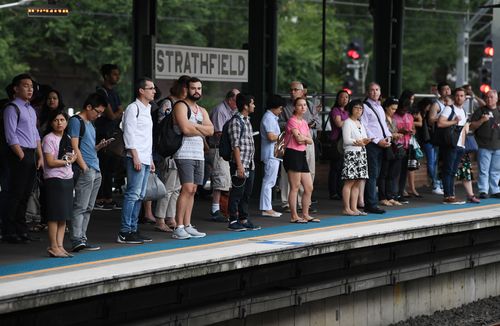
485, 88
353, 54
354, 51
489, 51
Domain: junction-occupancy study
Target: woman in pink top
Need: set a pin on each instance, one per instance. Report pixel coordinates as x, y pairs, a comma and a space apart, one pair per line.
338, 115
404, 124
58, 179
295, 163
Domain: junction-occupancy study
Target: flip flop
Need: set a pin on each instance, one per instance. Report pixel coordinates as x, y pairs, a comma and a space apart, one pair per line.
312, 220
299, 221
348, 214
360, 213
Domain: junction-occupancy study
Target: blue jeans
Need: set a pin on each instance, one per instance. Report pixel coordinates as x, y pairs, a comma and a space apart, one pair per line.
86, 189
375, 157
431, 152
137, 182
451, 160
489, 170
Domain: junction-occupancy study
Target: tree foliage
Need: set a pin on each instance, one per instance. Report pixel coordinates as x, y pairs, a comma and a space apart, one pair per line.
98, 32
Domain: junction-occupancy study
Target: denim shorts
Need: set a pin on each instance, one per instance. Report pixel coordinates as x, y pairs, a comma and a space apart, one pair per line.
190, 171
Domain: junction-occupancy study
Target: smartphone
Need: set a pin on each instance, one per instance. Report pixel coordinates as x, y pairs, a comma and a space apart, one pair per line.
110, 140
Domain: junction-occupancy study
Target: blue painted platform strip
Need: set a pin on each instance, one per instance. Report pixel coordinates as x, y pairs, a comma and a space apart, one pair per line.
130, 250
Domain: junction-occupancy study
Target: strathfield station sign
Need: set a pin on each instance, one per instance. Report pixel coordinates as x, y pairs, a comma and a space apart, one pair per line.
225, 65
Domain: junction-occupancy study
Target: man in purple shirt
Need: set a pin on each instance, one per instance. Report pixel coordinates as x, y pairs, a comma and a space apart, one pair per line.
373, 119
24, 157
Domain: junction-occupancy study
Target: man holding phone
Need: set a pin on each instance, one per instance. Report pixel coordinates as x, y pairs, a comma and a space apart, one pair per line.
485, 124
89, 179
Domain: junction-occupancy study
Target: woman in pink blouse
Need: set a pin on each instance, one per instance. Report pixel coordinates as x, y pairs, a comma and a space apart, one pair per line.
338, 115
298, 137
404, 124
58, 179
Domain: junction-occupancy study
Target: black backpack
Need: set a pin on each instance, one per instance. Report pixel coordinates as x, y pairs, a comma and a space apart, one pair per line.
167, 142
76, 168
225, 148
3, 105
155, 116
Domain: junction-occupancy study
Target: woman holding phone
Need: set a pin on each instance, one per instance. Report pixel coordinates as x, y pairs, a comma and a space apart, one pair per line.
58, 175
355, 168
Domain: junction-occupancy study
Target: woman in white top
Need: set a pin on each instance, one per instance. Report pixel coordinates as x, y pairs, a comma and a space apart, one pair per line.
355, 163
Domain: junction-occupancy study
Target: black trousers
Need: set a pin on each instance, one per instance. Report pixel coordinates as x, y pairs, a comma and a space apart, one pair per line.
239, 195
19, 187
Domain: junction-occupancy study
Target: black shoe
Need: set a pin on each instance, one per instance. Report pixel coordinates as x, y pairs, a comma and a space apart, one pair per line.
143, 237
314, 201
91, 247
335, 197
497, 195
236, 226
374, 210
483, 195
402, 200
78, 246
130, 238
218, 217
247, 224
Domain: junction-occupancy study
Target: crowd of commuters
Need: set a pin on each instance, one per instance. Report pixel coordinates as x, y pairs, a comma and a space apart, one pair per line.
376, 144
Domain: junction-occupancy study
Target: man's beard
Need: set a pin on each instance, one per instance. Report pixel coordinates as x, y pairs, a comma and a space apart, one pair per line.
194, 97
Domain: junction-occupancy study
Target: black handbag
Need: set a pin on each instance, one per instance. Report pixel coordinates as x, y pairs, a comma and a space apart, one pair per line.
470, 143
448, 136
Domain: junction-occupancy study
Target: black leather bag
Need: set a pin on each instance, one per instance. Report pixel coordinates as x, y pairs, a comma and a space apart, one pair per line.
448, 136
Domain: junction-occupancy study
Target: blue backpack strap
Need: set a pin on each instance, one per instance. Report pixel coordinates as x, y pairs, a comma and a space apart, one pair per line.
82, 128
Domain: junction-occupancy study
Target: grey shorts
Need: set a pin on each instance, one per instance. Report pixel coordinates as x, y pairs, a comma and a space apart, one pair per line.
190, 171
221, 175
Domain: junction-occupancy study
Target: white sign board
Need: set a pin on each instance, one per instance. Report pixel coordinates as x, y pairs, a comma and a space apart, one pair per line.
226, 65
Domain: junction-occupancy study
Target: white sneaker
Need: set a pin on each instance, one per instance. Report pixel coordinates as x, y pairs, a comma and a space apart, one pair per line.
191, 230
437, 191
180, 233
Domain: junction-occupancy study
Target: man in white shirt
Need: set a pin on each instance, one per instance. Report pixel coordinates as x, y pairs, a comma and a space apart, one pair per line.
138, 138
443, 91
452, 154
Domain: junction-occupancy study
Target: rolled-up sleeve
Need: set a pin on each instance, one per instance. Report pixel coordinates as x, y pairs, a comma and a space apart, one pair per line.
130, 126
10, 118
234, 133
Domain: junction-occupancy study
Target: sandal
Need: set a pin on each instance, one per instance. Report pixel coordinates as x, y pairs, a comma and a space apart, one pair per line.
52, 253
299, 221
311, 219
350, 214
65, 252
162, 228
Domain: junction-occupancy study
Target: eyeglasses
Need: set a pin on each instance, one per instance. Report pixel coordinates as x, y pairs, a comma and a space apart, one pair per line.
97, 111
149, 88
